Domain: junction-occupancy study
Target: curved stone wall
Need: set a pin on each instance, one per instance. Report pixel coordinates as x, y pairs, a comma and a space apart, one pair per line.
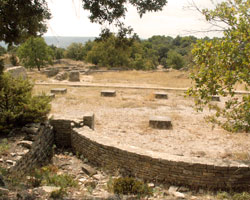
159, 167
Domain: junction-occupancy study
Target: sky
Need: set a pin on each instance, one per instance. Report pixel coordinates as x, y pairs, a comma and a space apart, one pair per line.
69, 19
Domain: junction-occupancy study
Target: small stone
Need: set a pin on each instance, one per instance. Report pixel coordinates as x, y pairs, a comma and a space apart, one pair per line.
179, 195
58, 90
74, 76
23, 152
161, 95
11, 162
108, 93
50, 189
25, 143
13, 154
172, 189
3, 191
98, 177
160, 122
183, 189
151, 185
82, 180
1, 160
90, 171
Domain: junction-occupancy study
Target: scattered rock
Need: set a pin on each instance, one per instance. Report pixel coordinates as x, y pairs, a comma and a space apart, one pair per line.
22, 152
50, 189
25, 143
13, 154
151, 185
172, 189
11, 162
90, 171
91, 184
98, 176
3, 191
183, 189
1, 160
179, 195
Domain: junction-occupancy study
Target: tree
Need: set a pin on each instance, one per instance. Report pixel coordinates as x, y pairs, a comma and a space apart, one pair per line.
35, 53
21, 19
2, 50
220, 64
75, 51
175, 60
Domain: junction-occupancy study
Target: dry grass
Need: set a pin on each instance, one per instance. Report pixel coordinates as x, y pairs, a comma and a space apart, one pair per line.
164, 79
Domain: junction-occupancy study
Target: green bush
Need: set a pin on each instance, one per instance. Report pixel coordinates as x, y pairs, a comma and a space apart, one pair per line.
129, 185
18, 107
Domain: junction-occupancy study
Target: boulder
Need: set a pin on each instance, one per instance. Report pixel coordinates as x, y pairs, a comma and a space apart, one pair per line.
17, 72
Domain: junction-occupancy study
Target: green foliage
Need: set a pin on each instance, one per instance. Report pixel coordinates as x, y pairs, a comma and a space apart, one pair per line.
175, 60
129, 185
13, 60
47, 176
18, 107
126, 53
35, 53
76, 51
222, 63
1, 66
22, 19
58, 53
241, 196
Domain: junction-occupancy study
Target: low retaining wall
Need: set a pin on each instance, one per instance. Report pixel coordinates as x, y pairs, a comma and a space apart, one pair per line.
40, 153
191, 172
152, 166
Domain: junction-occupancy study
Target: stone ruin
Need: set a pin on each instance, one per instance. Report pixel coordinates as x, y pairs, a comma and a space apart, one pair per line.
108, 93
58, 90
161, 95
159, 122
74, 76
18, 71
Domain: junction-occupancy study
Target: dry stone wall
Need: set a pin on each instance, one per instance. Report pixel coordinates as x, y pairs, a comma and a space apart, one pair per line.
177, 170
40, 153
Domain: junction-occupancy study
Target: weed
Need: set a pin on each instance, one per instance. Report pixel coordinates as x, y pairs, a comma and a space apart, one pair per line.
129, 185
47, 176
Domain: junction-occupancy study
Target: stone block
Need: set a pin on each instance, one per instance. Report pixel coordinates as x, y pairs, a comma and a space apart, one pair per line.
161, 95
17, 72
160, 122
215, 98
58, 90
89, 120
108, 93
51, 71
74, 76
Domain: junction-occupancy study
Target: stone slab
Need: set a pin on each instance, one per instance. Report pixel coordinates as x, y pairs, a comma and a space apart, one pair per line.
108, 93
58, 90
161, 95
215, 98
160, 122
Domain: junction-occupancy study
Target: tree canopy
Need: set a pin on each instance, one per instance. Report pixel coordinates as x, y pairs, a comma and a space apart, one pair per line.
35, 53
222, 63
21, 19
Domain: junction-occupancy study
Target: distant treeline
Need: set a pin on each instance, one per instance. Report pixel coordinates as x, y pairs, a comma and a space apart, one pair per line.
130, 53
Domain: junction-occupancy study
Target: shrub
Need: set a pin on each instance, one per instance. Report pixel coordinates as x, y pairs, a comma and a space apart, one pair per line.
58, 194
18, 107
129, 185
